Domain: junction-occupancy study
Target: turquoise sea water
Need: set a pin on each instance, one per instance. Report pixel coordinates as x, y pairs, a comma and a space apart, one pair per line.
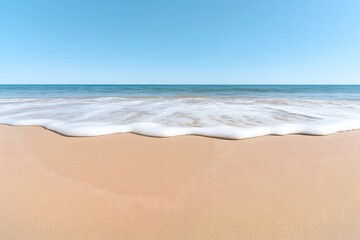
226, 111
257, 91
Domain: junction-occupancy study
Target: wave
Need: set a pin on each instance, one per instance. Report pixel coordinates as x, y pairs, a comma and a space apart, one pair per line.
230, 118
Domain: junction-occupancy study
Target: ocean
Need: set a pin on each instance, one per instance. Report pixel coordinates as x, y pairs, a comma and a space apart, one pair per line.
223, 111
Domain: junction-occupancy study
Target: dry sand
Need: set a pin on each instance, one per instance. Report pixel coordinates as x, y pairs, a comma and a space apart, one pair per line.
134, 187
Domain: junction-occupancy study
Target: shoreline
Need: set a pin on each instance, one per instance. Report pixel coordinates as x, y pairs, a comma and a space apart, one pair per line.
244, 137
126, 186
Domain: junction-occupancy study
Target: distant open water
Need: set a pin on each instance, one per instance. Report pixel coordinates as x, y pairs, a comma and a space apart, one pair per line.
225, 111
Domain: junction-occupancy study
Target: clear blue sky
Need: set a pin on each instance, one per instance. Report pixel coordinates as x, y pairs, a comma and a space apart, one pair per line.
180, 41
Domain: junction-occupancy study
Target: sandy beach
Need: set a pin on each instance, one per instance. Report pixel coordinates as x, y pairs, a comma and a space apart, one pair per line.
126, 186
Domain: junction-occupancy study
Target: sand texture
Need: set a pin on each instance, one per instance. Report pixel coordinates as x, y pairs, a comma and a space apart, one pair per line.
126, 186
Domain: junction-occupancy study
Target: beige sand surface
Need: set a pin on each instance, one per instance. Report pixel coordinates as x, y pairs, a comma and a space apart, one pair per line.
134, 187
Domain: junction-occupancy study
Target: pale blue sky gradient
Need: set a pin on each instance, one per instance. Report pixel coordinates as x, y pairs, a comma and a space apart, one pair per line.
183, 41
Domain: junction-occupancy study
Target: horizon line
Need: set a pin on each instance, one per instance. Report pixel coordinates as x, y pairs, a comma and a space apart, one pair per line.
190, 84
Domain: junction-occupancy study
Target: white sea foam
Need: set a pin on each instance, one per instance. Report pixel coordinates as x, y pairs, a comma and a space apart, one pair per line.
232, 118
